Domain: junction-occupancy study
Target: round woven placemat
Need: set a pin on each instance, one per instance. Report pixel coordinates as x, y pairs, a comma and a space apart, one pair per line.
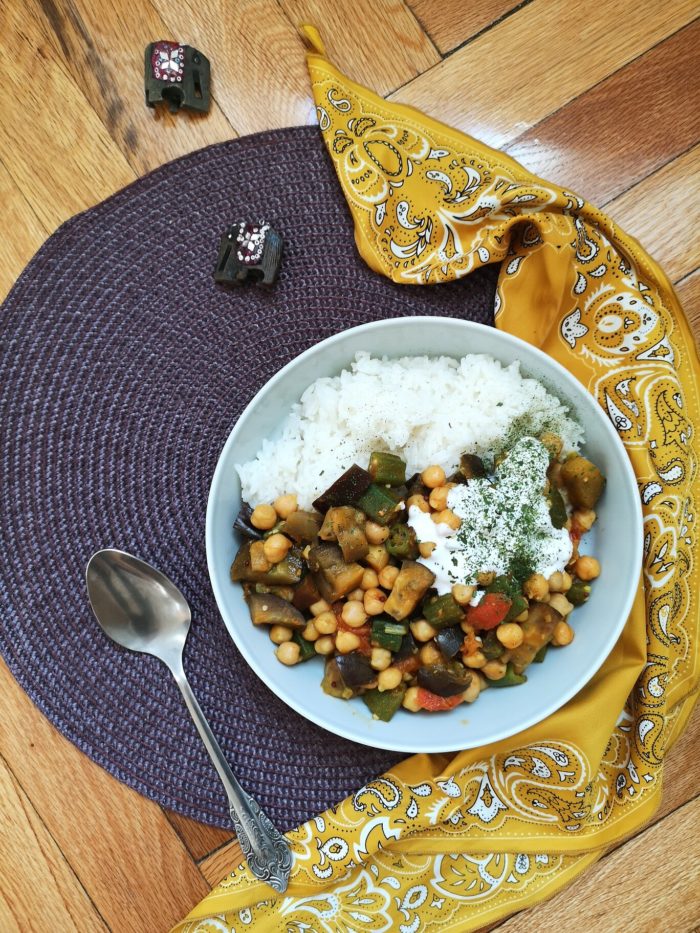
124, 369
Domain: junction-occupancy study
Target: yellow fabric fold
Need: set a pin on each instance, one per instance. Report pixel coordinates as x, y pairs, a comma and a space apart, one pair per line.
455, 842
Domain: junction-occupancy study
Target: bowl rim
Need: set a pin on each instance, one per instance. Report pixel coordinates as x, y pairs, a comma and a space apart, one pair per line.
317, 718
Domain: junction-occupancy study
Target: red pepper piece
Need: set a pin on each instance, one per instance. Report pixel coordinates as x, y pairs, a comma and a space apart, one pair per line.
490, 612
434, 703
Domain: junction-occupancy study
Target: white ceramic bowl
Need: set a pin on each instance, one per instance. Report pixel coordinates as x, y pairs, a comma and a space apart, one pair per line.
616, 540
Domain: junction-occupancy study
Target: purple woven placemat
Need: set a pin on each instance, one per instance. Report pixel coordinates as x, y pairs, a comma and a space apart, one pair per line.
124, 369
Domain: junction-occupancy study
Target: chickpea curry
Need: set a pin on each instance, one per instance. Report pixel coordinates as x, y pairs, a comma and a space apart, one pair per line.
356, 579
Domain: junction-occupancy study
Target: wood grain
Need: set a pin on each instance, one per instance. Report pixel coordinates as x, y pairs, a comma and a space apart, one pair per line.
119, 845
102, 47
201, 840
41, 894
663, 212
688, 290
623, 129
537, 60
376, 41
24, 234
449, 23
216, 866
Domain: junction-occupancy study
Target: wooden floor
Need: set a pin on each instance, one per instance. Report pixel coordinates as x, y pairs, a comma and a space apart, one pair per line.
601, 96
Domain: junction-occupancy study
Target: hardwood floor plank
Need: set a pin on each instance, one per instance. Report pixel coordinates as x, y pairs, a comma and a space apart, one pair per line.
377, 41
24, 233
201, 840
32, 864
537, 60
121, 847
650, 104
644, 885
102, 46
663, 212
449, 23
680, 779
52, 142
220, 863
688, 290
259, 73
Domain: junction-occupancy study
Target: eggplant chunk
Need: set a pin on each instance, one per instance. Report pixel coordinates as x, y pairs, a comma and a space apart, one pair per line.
268, 609
444, 681
450, 640
346, 526
356, 670
537, 632
583, 482
409, 588
345, 490
333, 576
333, 683
302, 526
243, 523
306, 593
286, 572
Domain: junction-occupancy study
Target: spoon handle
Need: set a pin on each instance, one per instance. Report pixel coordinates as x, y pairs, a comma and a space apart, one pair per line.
265, 848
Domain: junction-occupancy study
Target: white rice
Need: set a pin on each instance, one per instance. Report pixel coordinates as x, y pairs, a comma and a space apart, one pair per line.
427, 410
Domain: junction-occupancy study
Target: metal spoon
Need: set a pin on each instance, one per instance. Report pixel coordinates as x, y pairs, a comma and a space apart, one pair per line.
141, 609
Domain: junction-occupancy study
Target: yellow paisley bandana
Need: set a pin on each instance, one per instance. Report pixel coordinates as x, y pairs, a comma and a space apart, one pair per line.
455, 842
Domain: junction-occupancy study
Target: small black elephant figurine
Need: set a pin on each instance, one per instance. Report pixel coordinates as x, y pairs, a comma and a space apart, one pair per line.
249, 252
178, 75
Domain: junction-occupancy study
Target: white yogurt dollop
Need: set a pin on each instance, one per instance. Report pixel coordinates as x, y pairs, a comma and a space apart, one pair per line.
505, 518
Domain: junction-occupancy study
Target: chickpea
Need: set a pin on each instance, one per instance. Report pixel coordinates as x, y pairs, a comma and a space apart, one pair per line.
377, 557
536, 587
585, 518
357, 595
310, 633
258, 561
318, 607
587, 568
280, 634
446, 517
410, 700
275, 548
510, 635
477, 660
433, 476
387, 576
263, 517
560, 603
426, 548
370, 580
429, 654
467, 628
326, 623
389, 679
462, 594
325, 645
522, 617
374, 601
494, 670
285, 505
288, 652
380, 659
354, 613
473, 690
423, 630
375, 533
420, 502
346, 642
485, 578
563, 634
438, 497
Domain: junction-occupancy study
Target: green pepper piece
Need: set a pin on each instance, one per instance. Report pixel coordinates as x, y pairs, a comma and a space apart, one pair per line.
442, 610
540, 656
557, 509
384, 705
386, 633
387, 469
509, 679
578, 593
491, 646
306, 648
402, 542
378, 505
518, 605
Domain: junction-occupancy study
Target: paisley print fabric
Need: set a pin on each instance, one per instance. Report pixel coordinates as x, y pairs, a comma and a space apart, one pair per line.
455, 842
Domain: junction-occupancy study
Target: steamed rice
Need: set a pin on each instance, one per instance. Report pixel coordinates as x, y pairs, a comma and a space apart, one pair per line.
428, 410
